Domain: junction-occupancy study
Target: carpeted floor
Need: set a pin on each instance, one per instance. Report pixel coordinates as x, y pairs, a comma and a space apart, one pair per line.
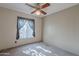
36, 49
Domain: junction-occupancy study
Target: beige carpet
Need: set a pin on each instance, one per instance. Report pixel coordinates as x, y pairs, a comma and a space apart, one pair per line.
36, 49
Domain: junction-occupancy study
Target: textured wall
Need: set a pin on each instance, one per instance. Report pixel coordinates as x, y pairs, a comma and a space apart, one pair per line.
8, 28
62, 29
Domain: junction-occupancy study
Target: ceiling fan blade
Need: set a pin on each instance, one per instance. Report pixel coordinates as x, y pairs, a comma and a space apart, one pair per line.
43, 12
33, 11
30, 5
45, 5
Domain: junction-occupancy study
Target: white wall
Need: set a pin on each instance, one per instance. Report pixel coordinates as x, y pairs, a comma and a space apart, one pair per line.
61, 29
8, 28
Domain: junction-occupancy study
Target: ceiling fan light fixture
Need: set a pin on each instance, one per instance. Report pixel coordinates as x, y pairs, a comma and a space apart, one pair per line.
38, 8
38, 13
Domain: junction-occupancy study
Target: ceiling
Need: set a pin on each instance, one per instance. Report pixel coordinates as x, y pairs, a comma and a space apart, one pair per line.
21, 7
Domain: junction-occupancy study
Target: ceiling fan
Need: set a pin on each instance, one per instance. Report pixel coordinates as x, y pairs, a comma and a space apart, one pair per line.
38, 8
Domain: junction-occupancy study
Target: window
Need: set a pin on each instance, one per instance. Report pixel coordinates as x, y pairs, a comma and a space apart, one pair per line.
25, 28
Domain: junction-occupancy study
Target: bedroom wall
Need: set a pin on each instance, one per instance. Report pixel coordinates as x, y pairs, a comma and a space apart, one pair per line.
61, 29
8, 28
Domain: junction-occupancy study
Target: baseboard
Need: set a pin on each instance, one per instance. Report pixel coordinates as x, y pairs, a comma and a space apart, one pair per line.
18, 46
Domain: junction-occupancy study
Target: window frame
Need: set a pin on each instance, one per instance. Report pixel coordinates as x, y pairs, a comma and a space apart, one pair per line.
23, 18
